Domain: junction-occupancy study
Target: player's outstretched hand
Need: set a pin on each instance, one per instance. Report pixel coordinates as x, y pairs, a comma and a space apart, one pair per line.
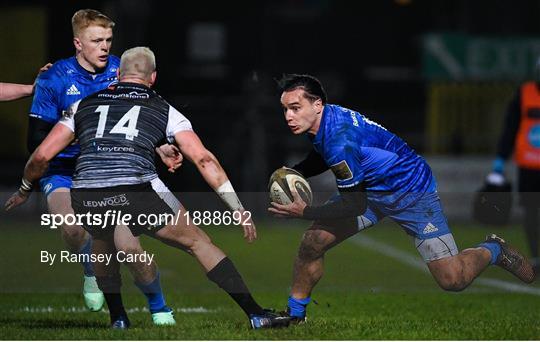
16, 200
250, 231
45, 68
295, 209
171, 156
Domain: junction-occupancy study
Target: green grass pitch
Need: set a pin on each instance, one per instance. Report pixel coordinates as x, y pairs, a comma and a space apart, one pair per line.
365, 294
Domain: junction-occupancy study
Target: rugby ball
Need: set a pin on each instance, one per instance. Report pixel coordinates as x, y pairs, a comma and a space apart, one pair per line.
283, 181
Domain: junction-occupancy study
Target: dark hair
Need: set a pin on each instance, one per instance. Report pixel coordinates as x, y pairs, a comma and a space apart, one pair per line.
313, 88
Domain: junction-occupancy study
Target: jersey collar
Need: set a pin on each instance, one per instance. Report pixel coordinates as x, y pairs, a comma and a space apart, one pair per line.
90, 73
317, 139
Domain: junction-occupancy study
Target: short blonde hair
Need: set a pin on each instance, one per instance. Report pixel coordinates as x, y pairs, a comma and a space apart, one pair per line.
87, 17
139, 61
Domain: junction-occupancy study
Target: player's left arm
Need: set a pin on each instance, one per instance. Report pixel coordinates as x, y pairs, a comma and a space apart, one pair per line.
191, 146
179, 130
57, 140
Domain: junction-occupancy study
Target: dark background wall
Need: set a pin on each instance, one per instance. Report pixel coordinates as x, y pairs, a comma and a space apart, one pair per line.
217, 62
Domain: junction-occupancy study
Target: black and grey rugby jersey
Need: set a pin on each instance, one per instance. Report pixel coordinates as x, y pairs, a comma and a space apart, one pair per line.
118, 129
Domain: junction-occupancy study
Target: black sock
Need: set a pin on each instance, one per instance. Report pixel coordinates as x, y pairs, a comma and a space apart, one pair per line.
110, 286
225, 275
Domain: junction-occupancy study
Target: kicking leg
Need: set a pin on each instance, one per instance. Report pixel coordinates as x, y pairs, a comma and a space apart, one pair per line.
456, 271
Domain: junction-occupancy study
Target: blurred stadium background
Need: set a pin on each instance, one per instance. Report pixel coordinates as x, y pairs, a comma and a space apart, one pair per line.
438, 73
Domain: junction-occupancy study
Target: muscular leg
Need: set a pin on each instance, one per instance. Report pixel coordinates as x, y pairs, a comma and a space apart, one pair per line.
146, 276
217, 266
129, 244
309, 263
455, 273
77, 241
75, 237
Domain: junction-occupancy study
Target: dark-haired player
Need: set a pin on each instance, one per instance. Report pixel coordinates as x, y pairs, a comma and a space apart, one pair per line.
378, 175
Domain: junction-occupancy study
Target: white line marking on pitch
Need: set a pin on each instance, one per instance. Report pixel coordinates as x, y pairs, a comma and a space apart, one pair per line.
418, 263
81, 309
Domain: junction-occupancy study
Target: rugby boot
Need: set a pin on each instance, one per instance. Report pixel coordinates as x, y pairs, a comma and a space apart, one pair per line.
163, 317
93, 297
121, 323
269, 319
512, 260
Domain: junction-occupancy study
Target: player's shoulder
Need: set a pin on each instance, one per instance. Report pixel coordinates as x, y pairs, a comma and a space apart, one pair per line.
61, 68
57, 73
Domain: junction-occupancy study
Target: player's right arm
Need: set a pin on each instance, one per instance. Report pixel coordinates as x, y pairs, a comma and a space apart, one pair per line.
58, 139
14, 91
193, 149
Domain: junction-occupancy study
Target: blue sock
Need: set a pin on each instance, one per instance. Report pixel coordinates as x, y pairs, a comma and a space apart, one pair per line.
298, 306
154, 294
86, 249
494, 248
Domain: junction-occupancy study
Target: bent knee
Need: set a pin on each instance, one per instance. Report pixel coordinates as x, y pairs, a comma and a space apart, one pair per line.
73, 235
451, 280
314, 244
131, 249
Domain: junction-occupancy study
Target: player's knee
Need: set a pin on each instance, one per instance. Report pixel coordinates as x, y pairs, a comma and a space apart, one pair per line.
314, 244
130, 249
194, 246
74, 236
452, 280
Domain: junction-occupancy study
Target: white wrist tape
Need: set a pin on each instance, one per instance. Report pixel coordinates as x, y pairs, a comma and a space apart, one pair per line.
227, 194
26, 186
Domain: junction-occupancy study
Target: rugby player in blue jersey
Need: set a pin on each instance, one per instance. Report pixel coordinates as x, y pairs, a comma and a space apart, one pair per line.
378, 175
67, 81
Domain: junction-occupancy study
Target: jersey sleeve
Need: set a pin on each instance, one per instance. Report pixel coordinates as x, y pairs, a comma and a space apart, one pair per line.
68, 118
46, 101
344, 161
177, 122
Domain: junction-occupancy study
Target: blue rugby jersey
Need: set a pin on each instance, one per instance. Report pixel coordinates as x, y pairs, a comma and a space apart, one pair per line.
359, 150
63, 84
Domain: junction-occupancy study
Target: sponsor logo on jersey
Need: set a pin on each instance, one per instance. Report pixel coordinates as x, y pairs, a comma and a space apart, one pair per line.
342, 171
114, 201
430, 228
100, 148
73, 90
131, 95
